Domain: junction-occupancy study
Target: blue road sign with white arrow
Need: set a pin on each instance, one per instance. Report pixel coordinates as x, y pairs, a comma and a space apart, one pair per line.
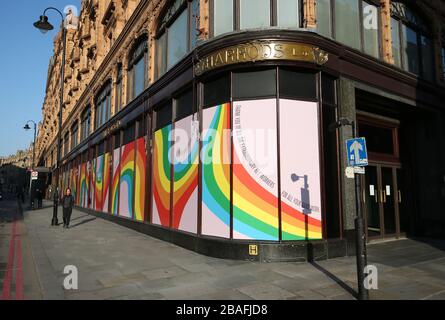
357, 153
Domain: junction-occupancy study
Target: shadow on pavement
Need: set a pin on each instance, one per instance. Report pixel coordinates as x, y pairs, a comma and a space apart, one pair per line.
335, 278
434, 242
82, 222
86, 215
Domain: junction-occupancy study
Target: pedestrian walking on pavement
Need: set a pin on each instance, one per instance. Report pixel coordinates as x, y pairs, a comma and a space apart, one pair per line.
67, 204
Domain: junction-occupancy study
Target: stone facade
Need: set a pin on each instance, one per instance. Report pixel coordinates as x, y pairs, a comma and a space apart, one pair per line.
106, 33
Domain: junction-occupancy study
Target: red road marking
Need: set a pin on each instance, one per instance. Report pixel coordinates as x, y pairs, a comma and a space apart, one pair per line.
18, 270
6, 294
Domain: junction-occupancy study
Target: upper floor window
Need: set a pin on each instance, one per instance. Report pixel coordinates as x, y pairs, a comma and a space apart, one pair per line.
103, 106
74, 135
85, 124
229, 15
354, 23
66, 144
137, 67
177, 34
411, 44
119, 88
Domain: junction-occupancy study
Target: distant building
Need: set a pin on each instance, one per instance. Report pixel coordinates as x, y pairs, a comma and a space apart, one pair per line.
22, 159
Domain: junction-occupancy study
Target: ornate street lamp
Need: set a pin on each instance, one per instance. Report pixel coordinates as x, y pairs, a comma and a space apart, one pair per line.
44, 26
27, 127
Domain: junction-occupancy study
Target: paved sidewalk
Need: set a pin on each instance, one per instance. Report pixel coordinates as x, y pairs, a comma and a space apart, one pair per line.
118, 263
18, 273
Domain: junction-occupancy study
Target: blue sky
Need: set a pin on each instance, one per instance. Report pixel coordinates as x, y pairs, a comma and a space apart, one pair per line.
24, 57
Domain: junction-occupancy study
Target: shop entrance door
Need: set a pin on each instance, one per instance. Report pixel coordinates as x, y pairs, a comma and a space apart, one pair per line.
381, 199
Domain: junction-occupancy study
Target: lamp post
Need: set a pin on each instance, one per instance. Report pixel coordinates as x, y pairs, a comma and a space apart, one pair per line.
27, 127
360, 244
44, 26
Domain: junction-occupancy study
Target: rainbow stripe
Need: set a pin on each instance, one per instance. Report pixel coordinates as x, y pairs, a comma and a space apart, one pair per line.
185, 177
91, 176
73, 183
106, 182
115, 184
83, 185
92, 184
78, 191
161, 177
141, 164
295, 225
126, 181
98, 190
255, 209
216, 173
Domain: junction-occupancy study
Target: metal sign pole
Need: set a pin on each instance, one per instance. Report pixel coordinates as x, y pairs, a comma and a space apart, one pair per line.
360, 241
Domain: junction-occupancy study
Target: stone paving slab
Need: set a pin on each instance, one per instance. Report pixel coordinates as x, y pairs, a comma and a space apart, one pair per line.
115, 262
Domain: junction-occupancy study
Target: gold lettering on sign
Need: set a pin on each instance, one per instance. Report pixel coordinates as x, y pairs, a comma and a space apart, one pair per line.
261, 50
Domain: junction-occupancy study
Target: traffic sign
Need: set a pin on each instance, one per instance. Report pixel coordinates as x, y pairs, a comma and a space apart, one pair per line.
356, 152
34, 175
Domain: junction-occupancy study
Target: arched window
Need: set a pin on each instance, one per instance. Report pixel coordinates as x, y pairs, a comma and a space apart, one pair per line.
177, 33
411, 42
354, 23
137, 67
229, 15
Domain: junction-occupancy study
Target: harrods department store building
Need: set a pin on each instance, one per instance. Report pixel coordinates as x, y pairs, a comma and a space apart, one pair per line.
208, 123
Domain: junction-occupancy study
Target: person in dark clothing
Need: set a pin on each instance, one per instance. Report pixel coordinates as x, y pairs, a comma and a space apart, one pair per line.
67, 204
39, 195
20, 195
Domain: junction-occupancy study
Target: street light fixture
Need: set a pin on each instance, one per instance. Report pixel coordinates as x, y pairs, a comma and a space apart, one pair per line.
27, 127
360, 244
44, 26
